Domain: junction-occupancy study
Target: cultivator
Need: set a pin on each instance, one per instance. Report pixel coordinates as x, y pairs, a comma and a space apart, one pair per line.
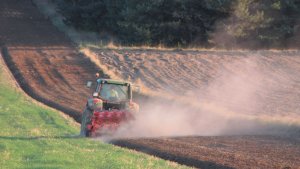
107, 121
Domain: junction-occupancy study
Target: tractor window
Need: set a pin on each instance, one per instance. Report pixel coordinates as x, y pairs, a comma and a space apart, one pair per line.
114, 92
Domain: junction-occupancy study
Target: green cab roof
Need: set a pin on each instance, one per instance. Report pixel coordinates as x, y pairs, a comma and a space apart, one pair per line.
112, 81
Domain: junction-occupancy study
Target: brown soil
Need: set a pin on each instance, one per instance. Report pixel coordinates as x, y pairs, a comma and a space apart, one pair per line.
42, 59
49, 68
223, 152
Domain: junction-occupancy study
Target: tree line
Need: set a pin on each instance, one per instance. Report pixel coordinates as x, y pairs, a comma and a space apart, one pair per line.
188, 23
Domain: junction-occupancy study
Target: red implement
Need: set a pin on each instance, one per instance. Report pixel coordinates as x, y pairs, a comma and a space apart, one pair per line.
108, 120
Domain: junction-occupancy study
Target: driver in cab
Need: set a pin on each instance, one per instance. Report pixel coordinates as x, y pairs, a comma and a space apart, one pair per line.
112, 93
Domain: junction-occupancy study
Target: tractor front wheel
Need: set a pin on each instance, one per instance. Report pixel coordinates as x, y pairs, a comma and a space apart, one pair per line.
85, 120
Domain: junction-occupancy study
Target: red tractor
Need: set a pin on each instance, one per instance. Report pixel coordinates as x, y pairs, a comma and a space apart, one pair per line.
109, 107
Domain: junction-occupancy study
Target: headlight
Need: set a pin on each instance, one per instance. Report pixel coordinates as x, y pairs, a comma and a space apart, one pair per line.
98, 104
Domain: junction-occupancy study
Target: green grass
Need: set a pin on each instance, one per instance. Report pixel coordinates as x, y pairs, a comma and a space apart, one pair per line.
33, 136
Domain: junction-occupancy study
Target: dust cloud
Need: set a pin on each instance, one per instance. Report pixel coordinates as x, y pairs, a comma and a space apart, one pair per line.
237, 101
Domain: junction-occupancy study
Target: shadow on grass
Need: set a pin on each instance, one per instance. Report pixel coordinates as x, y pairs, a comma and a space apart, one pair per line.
40, 137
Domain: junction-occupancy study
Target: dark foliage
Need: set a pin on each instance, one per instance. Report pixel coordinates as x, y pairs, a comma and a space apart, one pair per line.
183, 23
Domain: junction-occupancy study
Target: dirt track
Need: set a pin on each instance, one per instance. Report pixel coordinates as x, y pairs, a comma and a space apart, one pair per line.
50, 69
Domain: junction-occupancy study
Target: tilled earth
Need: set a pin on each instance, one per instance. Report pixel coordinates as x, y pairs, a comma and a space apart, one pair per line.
48, 67
247, 82
43, 60
222, 151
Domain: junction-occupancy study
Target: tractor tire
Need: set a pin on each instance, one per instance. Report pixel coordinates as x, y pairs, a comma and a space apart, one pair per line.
85, 120
87, 133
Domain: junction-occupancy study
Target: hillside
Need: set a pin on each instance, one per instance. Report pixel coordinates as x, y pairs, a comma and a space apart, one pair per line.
43, 60
207, 93
255, 83
35, 136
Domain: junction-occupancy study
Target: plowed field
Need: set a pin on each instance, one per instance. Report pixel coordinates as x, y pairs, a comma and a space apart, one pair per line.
49, 68
44, 61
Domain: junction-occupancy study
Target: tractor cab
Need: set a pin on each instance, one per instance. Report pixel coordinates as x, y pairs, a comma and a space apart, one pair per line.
111, 90
114, 94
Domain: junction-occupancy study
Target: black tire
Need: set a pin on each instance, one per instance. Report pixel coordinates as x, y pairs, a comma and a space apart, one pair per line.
85, 120
87, 133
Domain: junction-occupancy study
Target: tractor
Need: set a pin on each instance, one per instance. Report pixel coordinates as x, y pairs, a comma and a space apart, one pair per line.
108, 108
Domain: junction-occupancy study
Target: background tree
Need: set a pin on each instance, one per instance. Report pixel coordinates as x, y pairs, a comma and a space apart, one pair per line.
257, 24
185, 23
